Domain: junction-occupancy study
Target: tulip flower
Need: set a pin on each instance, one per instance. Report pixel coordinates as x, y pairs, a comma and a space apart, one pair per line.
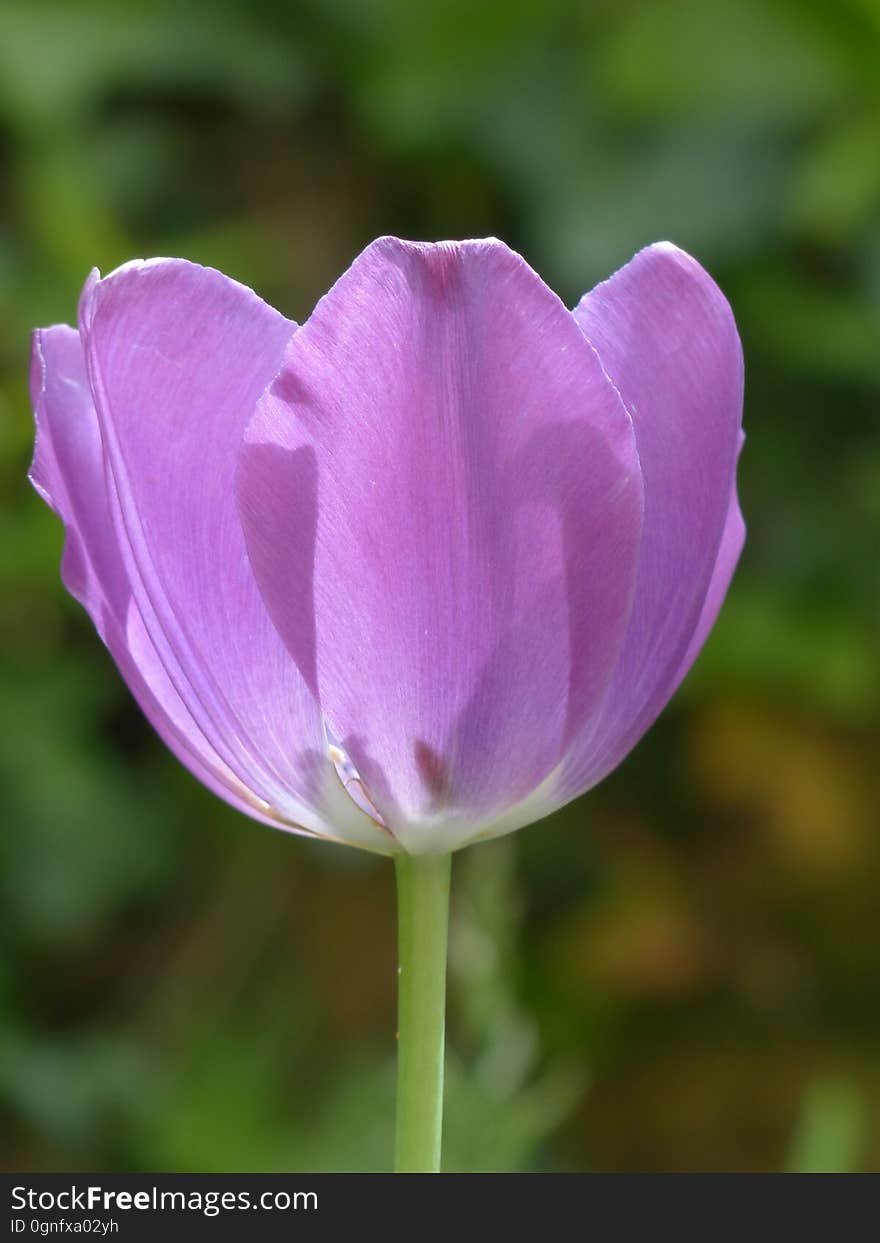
411, 575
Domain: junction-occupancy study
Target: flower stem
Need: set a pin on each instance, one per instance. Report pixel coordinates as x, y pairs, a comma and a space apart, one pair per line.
422, 922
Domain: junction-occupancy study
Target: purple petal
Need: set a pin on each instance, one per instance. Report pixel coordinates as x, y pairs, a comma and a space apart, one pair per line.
68, 472
445, 461
732, 541
667, 339
177, 356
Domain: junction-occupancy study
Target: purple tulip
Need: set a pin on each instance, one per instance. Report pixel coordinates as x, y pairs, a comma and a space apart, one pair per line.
415, 573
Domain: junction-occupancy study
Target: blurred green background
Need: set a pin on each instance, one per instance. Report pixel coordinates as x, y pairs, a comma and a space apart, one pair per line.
682, 970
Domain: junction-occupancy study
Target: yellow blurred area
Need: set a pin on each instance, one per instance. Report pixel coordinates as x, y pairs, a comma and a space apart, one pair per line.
804, 791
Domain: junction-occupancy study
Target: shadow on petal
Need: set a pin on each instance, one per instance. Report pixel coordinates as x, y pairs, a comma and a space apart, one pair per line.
287, 527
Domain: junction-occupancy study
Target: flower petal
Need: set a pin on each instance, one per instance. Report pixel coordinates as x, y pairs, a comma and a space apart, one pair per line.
177, 356
667, 340
68, 472
732, 541
445, 454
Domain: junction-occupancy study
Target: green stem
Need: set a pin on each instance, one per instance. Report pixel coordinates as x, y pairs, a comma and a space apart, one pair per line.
422, 922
